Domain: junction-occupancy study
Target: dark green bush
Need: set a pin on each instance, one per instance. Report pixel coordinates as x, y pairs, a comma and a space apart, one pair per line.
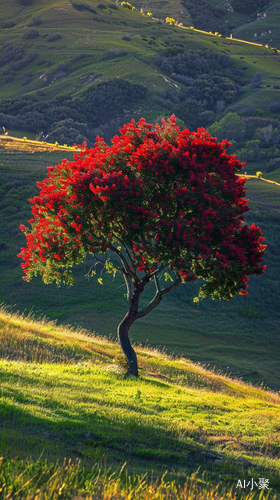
31, 34
35, 21
8, 24
53, 36
272, 165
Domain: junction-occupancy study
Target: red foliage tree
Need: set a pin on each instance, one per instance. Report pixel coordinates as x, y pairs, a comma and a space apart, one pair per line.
170, 198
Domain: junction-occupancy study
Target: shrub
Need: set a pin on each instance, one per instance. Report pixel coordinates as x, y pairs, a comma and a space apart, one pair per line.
127, 5
276, 86
186, 80
60, 74
274, 107
126, 37
78, 58
256, 80
10, 53
27, 78
101, 6
113, 6
41, 60
31, 34
83, 6
273, 164
8, 24
18, 65
259, 174
53, 36
111, 53
35, 21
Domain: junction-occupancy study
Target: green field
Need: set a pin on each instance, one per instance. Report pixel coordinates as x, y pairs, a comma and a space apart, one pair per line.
73, 425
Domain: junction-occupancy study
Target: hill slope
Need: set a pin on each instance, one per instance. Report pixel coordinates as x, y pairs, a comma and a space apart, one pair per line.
59, 63
241, 337
65, 396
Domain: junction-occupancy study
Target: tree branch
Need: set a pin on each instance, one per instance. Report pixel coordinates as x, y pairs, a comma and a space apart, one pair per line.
154, 303
156, 283
128, 287
127, 269
157, 271
158, 296
126, 250
99, 260
171, 287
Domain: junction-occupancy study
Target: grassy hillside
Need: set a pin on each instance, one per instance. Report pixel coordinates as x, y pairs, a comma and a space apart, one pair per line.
56, 59
240, 337
74, 426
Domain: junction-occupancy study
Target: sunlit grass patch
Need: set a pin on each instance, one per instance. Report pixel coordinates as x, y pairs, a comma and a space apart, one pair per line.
74, 401
14, 144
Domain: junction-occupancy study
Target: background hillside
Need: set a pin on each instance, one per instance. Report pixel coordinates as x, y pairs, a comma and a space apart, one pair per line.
71, 71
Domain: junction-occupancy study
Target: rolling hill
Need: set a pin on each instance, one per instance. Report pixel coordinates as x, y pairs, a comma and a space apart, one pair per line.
89, 69
74, 426
70, 72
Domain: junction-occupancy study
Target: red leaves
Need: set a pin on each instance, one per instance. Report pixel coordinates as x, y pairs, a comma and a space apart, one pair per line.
187, 203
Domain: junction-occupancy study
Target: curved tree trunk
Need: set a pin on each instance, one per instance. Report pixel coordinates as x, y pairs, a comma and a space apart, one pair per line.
133, 314
126, 346
125, 325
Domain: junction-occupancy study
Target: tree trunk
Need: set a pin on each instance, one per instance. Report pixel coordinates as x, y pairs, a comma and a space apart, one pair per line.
133, 314
125, 325
126, 346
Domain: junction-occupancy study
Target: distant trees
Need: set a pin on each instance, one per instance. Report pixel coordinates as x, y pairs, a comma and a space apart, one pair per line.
256, 80
209, 76
100, 110
10, 53
265, 134
231, 126
273, 164
206, 16
83, 6
248, 6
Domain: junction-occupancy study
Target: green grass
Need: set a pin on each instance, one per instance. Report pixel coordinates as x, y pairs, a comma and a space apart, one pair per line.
83, 32
71, 418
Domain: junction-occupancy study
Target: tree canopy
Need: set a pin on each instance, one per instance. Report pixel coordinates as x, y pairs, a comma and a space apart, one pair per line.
159, 198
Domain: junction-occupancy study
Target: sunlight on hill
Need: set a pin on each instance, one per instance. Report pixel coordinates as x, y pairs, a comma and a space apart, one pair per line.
11, 144
178, 417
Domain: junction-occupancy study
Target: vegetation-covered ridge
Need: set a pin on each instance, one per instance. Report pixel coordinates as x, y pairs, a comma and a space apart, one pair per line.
87, 429
72, 71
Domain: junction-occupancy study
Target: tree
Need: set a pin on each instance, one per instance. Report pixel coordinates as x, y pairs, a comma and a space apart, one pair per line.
266, 133
231, 126
160, 200
256, 80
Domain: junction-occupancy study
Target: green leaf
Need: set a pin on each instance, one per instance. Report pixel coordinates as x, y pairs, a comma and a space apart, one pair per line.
167, 277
